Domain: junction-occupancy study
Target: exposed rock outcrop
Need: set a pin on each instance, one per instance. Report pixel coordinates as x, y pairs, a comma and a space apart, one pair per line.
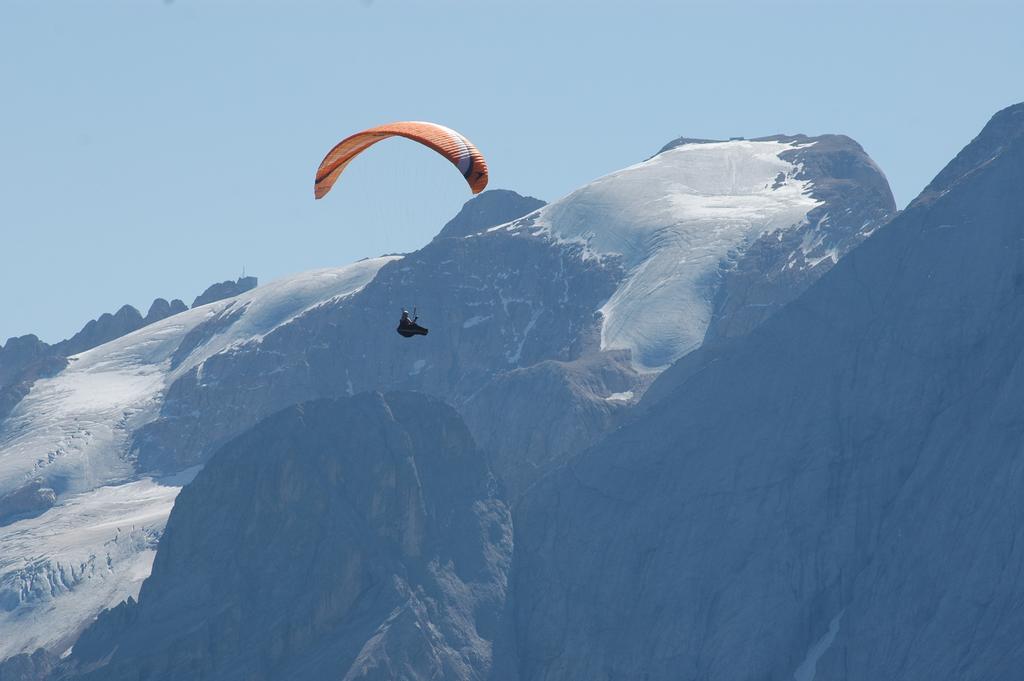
225, 289
356, 539
834, 496
492, 207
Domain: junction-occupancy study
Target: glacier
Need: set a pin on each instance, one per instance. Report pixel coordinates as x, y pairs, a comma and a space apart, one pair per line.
674, 219
72, 434
93, 550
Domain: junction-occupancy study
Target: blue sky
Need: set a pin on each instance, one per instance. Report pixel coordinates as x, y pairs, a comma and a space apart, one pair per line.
149, 148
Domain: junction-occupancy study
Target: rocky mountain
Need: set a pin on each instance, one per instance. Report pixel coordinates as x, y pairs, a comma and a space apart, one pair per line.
554, 317
713, 237
26, 358
225, 289
89, 539
22, 361
351, 539
493, 207
35, 666
99, 331
712, 231
19, 353
833, 496
624, 275
22, 352
773, 271
161, 309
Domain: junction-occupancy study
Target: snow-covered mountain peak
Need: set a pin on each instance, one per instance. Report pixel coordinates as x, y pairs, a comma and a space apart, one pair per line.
109, 390
705, 239
67, 443
674, 219
840, 487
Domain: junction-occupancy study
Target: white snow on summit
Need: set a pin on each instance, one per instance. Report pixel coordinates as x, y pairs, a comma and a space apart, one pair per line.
674, 218
95, 546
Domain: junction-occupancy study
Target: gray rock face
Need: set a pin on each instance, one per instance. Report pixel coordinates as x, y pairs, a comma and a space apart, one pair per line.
571, 406
855, 201
832, 496
23, 360
26, 358
751, 283
108, 327
19, 353
28, 667
161, 309
492, 303
32, 497
350, 539
492, 207
101, 330
225, 289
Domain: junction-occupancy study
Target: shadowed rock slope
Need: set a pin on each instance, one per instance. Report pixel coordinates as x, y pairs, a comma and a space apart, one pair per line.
493, 207
350, 539
835, 496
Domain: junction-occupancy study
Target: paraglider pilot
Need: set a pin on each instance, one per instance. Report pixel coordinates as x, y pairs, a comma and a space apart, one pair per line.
408, 327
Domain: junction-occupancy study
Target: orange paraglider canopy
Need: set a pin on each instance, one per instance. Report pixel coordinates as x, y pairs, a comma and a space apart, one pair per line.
445, 141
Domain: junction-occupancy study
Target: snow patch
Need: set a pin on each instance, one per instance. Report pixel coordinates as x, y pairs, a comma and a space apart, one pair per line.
832, 254
808, 668
620, 397
673, 220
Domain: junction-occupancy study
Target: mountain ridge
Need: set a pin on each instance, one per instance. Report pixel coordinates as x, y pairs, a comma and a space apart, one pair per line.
401, 563
861, 522
516, 316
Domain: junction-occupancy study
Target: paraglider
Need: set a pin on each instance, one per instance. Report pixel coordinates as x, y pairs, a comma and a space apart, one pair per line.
407, 327
445, 141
